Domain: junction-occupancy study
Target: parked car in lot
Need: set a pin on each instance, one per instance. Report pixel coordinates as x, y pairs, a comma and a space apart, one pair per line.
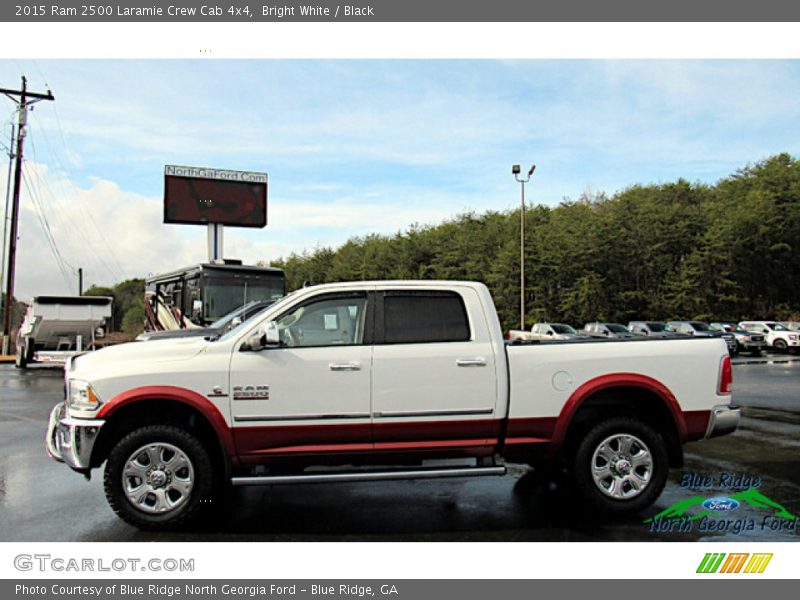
778, 337
655, 329
702, 329
616, 331
547, 331
216, 329
376, 381
746, 341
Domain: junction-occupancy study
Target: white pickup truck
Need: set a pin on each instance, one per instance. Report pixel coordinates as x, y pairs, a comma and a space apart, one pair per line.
383, 380
547, 331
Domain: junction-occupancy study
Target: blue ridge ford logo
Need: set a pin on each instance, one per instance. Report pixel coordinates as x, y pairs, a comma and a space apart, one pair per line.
721, 504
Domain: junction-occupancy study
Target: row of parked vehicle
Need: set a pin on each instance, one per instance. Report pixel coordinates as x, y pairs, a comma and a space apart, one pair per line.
747, 336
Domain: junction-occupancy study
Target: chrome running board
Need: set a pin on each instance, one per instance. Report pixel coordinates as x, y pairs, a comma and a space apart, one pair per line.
367, 476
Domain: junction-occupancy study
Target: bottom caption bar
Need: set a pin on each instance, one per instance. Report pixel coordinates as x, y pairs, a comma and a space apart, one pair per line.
407, 589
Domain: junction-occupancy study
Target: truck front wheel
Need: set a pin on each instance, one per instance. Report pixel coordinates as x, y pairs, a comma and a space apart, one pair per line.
158, 477
621, 466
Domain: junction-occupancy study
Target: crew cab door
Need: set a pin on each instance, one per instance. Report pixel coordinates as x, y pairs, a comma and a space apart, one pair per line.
433, 374
311, 395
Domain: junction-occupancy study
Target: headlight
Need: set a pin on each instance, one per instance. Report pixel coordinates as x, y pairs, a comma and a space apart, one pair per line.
792, 337
81, 396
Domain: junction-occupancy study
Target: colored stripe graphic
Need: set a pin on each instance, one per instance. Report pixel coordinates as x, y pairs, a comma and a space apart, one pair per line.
710, 562
734, 563
758, 563
713, 562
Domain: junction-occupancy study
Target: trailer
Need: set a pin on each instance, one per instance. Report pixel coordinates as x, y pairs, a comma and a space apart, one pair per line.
58, 327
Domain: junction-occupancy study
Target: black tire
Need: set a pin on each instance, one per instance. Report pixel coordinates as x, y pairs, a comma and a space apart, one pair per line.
628, 500
160, 439
30, 349
780, 345
755, 353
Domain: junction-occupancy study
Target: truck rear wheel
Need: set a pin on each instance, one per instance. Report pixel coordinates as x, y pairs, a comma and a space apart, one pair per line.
621, 466
158, 477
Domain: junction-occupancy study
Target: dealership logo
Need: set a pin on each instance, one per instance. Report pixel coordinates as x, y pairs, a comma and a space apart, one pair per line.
742, 562
708, 515
721, 504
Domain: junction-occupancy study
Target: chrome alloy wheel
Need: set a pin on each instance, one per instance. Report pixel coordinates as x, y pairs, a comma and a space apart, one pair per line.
622, 466
158, 478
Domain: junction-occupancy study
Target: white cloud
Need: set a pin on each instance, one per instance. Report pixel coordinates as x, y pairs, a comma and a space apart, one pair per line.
111, 233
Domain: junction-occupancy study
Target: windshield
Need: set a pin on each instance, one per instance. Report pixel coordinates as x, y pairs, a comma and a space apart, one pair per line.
277, 305
562, 328
698, 326
223, 295
729, 327
244, 314
223, 321
656, 327
617, 328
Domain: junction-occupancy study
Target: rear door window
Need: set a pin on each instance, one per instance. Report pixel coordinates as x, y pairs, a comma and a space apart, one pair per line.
414, 317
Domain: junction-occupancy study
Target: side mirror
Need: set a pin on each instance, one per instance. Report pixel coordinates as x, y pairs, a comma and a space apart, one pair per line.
267, 336
550, 333
765, 331
235, 322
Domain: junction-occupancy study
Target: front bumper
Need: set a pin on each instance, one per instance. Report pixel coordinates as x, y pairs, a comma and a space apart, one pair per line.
748, 346
71, 440
724, 419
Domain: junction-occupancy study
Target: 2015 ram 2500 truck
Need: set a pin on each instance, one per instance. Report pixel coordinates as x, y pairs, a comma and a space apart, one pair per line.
383, 380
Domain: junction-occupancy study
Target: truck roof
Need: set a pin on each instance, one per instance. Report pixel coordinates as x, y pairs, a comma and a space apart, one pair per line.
420, 283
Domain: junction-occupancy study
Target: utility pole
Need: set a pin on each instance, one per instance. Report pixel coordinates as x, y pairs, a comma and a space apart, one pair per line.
515, 170
5, 211
26, 99
80, 281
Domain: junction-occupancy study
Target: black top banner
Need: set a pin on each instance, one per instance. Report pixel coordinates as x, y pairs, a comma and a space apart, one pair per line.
401, 11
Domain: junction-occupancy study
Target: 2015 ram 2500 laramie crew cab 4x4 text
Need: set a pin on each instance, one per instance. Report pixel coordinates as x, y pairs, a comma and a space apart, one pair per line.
383, 380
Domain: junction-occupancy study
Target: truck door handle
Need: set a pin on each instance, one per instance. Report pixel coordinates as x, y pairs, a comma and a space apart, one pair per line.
351, 366
471, 362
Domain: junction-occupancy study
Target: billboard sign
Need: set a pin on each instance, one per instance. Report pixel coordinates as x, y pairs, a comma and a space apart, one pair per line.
199, 196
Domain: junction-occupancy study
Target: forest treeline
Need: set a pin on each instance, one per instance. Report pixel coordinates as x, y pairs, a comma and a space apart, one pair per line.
671, 251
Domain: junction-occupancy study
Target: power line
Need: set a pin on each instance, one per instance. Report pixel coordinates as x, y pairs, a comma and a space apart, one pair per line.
80, 199
62, 264
43, 186
98, 239
78, 224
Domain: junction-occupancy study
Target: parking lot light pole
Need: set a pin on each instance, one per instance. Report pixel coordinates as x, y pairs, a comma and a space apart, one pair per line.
516, 171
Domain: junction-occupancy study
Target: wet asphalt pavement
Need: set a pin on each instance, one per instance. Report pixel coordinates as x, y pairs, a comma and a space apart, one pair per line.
41, 500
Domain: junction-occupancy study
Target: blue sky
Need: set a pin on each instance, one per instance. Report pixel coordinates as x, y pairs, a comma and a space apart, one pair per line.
361, 146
